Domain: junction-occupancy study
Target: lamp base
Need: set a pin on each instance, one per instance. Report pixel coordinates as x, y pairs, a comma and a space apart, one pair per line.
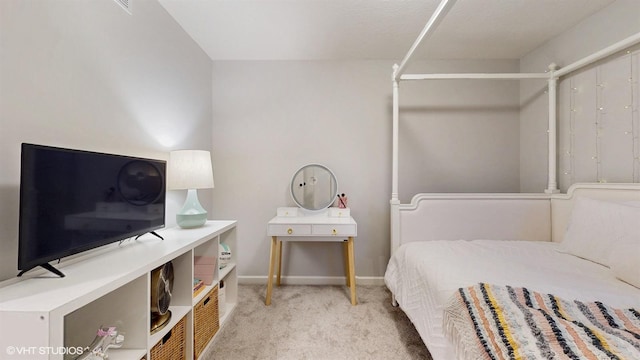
188, 221
192, 214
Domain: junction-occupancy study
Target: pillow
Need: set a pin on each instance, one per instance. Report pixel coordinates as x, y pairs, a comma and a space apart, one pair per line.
594, 227
625, 259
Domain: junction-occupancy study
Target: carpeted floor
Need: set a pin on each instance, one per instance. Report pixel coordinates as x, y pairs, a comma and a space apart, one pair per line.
317, 323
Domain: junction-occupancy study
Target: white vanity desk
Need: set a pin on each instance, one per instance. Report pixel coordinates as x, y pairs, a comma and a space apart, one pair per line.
292, 224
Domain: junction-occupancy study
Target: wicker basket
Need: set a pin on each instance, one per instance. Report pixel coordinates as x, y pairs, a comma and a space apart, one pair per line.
205, 321
172, 346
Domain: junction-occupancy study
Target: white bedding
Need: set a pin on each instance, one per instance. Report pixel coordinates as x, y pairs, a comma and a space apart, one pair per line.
423, 275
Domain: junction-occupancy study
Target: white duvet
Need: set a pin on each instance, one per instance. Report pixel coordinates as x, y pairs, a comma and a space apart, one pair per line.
423, 275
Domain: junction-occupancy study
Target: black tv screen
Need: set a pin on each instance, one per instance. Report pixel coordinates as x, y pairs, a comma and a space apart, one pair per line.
72, 201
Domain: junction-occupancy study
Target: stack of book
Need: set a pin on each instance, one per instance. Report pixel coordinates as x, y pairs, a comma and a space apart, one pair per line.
198, 286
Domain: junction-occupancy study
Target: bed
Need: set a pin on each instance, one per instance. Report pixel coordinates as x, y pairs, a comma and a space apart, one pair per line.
448, 251
455, 241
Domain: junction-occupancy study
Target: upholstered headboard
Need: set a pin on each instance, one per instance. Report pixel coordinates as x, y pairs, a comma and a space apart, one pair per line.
476, 216
536, 217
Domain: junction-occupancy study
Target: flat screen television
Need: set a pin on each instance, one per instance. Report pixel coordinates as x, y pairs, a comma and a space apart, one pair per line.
73, 200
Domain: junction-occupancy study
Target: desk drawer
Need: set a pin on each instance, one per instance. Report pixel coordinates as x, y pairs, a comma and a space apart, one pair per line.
337, 230
339, 212
287, 211
289, 229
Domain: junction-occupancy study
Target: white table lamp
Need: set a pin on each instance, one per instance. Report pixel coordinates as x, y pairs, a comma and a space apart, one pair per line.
190, 170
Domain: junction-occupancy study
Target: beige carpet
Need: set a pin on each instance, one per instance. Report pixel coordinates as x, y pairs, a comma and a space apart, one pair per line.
317, 323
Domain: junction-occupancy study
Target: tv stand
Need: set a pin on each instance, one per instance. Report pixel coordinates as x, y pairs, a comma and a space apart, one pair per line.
113, 288
46, 266
151, 232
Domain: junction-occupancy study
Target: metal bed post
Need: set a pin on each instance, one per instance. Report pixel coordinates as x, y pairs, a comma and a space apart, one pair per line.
468, 76
442, 10
609, 50
434, 20
395, 201
552, 185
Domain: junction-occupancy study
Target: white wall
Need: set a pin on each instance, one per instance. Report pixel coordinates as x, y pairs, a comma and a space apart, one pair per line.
459, 135
270, 118
87, 75
614, 23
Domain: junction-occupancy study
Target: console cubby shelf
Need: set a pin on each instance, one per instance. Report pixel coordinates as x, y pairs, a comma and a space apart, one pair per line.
112, 288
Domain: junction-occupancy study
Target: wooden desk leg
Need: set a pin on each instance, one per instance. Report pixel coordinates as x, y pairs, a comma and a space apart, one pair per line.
279, 261
345, 248
352, 271
272, 263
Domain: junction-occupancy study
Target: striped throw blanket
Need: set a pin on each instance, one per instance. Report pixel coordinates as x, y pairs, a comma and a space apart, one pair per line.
503, 322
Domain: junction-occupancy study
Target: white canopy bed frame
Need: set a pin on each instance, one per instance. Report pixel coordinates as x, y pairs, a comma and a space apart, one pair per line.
552, 76
537, 218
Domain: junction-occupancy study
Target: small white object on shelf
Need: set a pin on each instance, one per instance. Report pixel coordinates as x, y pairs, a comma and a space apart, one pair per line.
225, 255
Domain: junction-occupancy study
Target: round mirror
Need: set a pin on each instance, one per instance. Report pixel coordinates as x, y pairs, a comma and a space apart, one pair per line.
314, 187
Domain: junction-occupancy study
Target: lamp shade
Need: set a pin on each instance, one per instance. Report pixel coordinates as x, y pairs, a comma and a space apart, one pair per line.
190, 169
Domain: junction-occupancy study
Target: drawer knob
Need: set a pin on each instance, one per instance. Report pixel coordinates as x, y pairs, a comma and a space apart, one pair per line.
289, 231
334, 231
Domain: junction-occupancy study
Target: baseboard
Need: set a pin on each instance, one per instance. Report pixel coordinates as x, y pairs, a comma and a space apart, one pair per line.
311, 280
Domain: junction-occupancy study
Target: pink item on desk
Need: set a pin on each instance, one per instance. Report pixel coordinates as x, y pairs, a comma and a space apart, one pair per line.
342, 201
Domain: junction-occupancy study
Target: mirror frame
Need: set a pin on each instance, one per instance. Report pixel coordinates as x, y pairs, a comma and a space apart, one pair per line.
291, 187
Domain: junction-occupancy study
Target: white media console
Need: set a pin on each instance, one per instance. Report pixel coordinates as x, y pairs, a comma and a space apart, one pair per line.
44, 317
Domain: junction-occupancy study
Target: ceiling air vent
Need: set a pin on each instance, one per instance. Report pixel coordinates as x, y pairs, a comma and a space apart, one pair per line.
126, 5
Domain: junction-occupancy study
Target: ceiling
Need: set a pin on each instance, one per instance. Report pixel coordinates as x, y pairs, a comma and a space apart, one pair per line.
373, 29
